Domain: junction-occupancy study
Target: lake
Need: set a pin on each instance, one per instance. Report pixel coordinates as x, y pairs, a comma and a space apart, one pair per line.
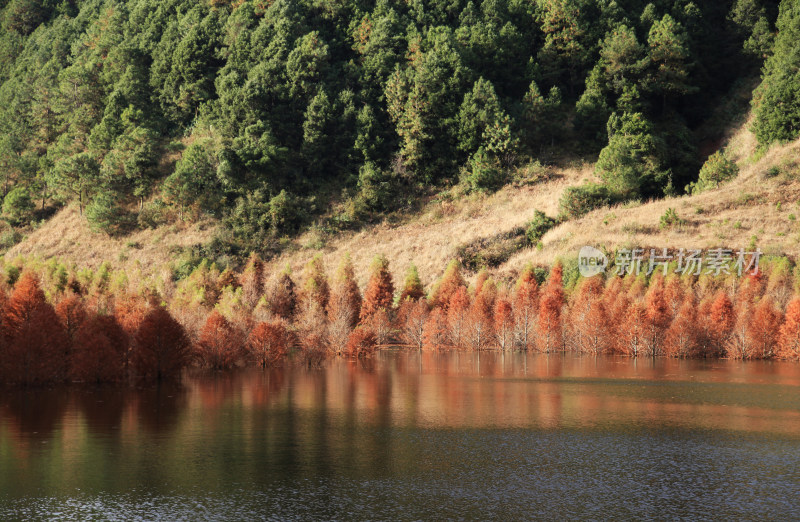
414, 436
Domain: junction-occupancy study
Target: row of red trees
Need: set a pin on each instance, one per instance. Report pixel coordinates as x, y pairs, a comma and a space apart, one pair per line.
94, 338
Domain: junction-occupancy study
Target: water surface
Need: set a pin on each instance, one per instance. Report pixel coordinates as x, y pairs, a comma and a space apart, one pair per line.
409, 436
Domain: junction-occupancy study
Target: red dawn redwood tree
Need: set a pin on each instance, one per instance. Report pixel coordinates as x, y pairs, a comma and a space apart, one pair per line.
450, 282
721, 322
435, 335
458, 317
268, 342
282, 296
411, 318
35, 345
100, 349
526, 308
550, 305
764, 329
789, 338
362, 342
161, 347
219, 345
252, 281
379, 294
504, 323
681, 338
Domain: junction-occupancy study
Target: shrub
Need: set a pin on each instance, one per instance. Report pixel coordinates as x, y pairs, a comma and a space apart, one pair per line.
579, 201
484, 173
716, 170
153, 214
18, 206
671, 219
105, 214
538, 227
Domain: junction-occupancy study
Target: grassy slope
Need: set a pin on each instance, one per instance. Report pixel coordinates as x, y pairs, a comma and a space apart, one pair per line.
728, 216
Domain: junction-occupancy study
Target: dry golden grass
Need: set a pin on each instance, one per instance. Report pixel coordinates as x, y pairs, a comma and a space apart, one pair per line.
729, 216
430, 240
68, 236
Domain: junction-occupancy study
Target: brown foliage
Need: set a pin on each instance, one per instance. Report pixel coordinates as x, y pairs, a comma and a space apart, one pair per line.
362, 342
220, 344
632, 331
681, 338
268, 342
763, 329
450, 282
435, 336
549, 318
503, 323
789, 339
480, 324
381, 324
161, 347
526, 309
71, 313
316, 287
722, 321
458, 317
412, 317
380, 289
282, 297
344, 306
35, 345
658, 317
252, 280
100, 349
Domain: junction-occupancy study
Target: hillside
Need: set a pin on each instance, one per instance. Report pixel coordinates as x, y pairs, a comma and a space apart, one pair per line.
731, 215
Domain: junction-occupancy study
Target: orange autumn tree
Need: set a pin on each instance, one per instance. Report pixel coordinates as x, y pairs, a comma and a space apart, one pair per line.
504, 323
344, 306
435, 333
443, 290
316, 287
658, 317
681, 339
764, 329
252, 280
380, 290
411, 317
268, 342
100, 348
789, 337
480, 324
526, 308
632, 331
35, 345
721, 321
71, 312
412, 286
282, 296
220, 344
458, 318
362, 342
549, 317
161, 347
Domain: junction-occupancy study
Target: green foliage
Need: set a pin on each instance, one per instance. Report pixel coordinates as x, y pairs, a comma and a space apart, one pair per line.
18, 206
199, 106
671, 219
578, 201
484, 173
716, 170
106, 215
538, 227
